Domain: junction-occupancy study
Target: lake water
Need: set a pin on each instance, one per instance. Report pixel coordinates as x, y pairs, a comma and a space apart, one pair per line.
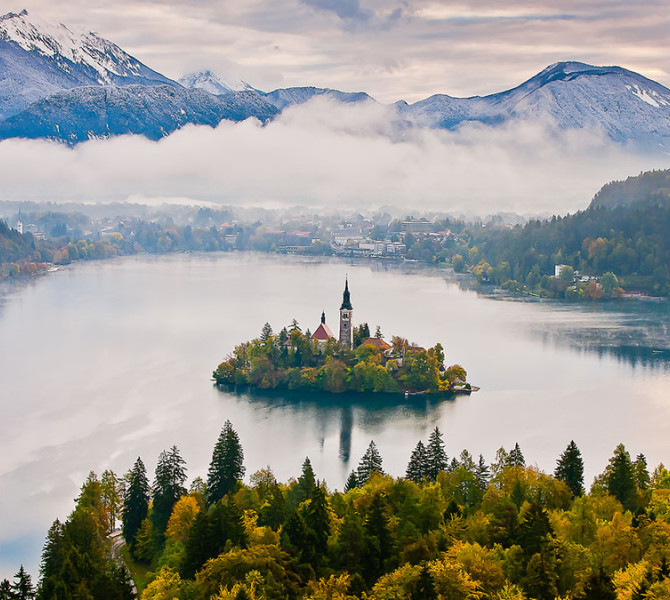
101, 362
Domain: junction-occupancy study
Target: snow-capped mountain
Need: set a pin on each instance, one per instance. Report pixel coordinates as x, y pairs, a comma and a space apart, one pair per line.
38, 58
155, 111
284, 97
625, 105
58, 83
214, 84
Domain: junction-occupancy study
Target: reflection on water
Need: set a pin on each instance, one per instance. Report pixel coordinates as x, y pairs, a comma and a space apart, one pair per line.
102, 362
344, 408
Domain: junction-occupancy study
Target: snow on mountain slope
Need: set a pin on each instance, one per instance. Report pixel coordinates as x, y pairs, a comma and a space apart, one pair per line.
284, 97
152, 111
212, 83
626, 106
38, 58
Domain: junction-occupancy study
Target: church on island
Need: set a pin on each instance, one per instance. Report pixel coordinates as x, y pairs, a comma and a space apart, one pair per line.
323, 333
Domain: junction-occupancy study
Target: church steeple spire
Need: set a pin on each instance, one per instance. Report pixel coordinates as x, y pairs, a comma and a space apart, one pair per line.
346, 313
346, 298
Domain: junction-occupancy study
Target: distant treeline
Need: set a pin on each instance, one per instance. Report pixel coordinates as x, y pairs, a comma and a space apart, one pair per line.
650, 188
449, 529
631, 242
624, 233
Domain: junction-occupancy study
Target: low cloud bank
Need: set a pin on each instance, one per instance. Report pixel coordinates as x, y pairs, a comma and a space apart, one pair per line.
326, 155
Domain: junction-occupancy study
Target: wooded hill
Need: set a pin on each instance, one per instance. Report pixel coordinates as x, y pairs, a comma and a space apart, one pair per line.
456, 529
650, 188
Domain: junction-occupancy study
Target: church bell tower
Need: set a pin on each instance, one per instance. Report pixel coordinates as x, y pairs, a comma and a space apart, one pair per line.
346, 313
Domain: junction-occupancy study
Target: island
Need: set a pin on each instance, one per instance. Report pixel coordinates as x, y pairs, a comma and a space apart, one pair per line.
353, 362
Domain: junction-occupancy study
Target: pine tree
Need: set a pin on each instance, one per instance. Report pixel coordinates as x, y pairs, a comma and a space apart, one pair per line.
620, 478
22, 588
417, 469
436, 459
599, 586
53, 554
226, 467
200, 545
351, 547
135, 502
351, 482
317, 519
167, 489
516, 458
535, 531
425, 586
483, 475
570, 469
266, 332
295, 538
144, 542
306, 482
379, 539
5, 590
642, 478
370, 463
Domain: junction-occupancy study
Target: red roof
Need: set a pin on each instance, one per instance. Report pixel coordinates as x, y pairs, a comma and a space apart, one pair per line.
376, 342
322, 333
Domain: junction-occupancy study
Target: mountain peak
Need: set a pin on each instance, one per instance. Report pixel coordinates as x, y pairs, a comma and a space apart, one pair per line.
214, 84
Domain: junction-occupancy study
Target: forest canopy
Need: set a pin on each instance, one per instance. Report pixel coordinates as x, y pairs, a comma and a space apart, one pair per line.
450, 528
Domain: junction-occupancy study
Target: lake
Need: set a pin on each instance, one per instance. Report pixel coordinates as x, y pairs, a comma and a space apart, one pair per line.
102, 362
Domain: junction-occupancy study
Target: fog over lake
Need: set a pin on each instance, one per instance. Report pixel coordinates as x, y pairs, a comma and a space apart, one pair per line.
102, 362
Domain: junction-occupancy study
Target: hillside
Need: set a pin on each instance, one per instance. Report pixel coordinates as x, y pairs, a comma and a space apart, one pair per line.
57, 83
650, 188
39, 58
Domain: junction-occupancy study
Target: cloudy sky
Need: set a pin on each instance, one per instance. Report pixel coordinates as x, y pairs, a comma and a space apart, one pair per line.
323, 155
392, 49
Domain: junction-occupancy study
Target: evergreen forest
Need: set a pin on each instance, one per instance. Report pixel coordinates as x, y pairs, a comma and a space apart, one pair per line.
450, 528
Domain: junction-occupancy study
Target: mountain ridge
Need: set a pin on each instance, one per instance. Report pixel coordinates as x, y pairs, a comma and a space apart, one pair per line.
44, 67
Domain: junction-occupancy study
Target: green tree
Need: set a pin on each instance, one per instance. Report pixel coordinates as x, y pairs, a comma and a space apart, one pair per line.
266, 332
226, 467
135, 502
53, 554
458, 263
370, 463
436, 457
620, 478
167, 489
22, 587
351, 482
598, 586
379, 539
112, 494
317, 520
417, 469
360, 334
482, 474
425, 586
306, 483
516, 458
570, 469
642, 478
610, 284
